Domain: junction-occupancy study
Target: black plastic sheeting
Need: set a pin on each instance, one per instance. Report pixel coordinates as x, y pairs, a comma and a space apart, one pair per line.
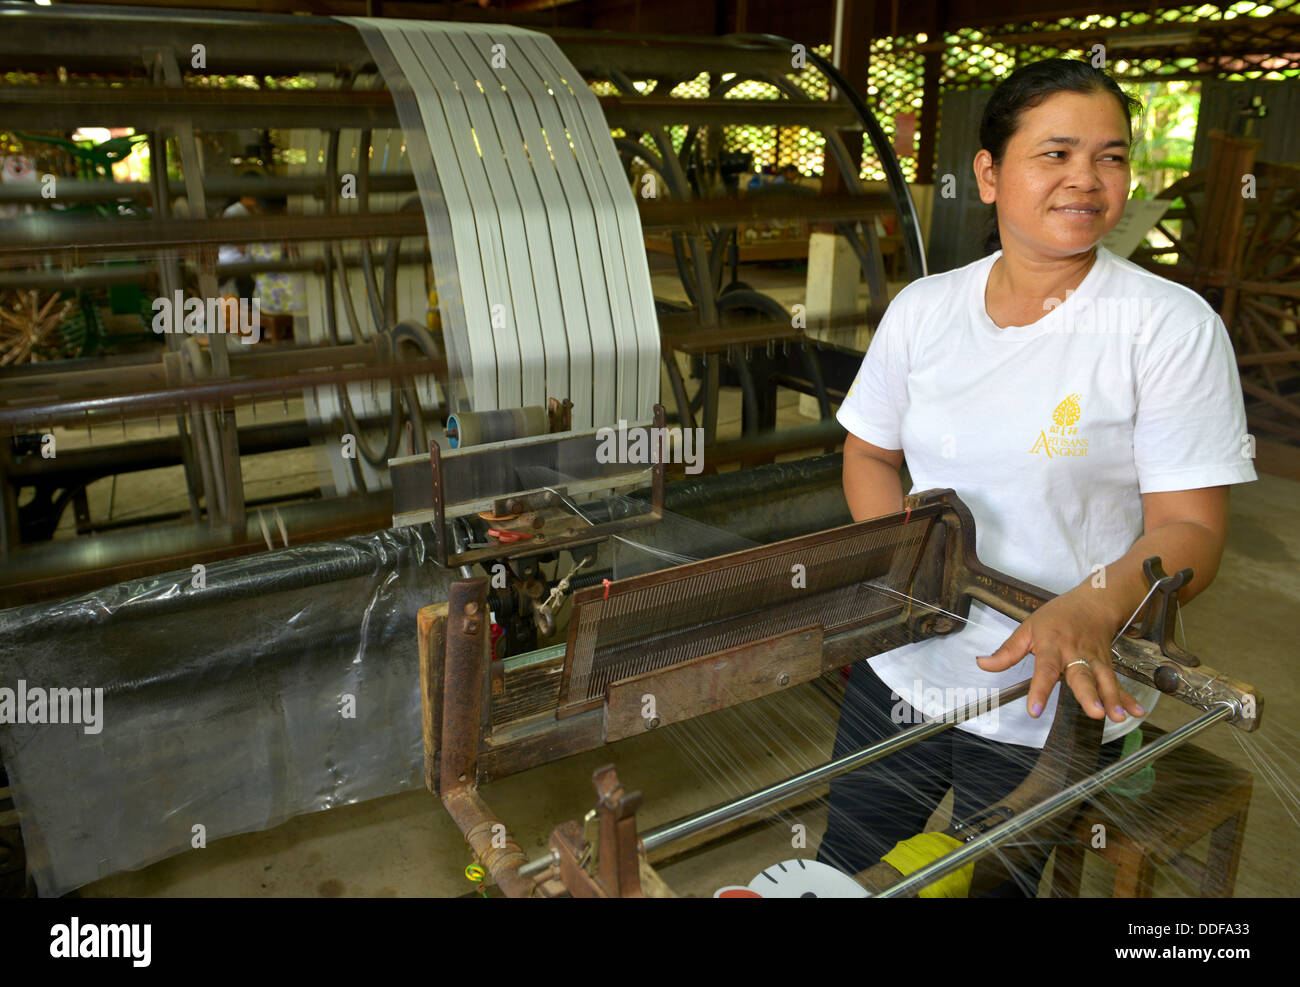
286, 684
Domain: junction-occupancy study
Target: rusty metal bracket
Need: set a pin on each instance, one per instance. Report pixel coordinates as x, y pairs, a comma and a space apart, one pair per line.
465, 699
439, 514
1161, 612
618, 869
549, 526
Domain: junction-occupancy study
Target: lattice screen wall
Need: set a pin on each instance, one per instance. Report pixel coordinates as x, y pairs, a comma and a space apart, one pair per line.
973, 58
770, 146
979, 57
970, 62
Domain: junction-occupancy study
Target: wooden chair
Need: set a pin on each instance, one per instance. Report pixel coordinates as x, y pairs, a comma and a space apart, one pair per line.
1195, 793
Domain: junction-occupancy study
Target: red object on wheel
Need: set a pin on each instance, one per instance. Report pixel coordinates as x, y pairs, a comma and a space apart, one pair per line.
508, 536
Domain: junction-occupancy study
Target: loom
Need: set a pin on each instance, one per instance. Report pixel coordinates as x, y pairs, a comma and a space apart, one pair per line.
538, 259
549, 332
705, 636
528, 401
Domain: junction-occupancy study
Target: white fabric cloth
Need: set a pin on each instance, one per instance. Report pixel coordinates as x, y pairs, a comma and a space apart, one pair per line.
1050, 433
233, 253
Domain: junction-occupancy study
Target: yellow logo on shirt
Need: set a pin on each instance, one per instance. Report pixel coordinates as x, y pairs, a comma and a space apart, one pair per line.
1062, 439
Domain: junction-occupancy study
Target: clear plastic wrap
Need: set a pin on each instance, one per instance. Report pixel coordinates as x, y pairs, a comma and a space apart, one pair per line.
287, 684
226, 707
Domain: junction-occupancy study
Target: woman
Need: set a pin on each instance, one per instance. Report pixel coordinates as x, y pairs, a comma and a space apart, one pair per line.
1088, 413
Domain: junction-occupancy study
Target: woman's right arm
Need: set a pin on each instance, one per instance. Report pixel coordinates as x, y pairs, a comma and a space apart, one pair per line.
871, 482
875, 405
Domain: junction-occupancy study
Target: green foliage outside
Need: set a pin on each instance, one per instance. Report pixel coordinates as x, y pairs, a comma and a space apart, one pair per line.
1163, 136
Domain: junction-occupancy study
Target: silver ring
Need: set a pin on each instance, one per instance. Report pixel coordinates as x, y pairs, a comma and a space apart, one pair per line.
1080, 661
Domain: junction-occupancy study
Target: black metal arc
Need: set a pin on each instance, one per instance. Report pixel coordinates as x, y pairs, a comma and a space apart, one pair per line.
912, 242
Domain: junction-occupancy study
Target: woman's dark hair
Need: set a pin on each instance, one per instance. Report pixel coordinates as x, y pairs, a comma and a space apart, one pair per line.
1026, 88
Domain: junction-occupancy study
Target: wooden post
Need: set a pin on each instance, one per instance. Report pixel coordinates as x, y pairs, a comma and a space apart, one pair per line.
432, 625
1218, 240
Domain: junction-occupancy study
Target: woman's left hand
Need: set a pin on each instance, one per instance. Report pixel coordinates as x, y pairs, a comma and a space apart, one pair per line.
1062, 635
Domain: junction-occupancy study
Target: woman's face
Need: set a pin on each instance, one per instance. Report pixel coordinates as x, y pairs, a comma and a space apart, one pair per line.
1064, 177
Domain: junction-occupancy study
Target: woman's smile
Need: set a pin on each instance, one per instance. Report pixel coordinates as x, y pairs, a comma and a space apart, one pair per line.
1079, 209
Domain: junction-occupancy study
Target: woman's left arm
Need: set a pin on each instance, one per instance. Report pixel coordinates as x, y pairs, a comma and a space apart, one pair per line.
1185, 528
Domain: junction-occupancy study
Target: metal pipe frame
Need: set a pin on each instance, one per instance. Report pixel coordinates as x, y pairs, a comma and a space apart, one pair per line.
94, 277
56, 569
35, 382
218, 186
155, 108
976, 847
89, 38
1065, 799
107, 237
82, 466
35, 417
726, 812
719, 815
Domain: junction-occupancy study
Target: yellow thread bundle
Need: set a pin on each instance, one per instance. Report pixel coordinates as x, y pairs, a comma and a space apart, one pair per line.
915, 852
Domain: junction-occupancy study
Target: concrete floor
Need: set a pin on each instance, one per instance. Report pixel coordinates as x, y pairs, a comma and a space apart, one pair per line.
406, 845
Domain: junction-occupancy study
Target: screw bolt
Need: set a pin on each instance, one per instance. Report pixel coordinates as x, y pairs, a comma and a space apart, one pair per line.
783, 679
651, 724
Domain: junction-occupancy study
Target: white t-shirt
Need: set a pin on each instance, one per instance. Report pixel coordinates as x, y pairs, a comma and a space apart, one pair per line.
233, 253
1049, 433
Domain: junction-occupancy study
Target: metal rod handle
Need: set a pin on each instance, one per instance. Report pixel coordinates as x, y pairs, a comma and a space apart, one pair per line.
720, 814
1057, 803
